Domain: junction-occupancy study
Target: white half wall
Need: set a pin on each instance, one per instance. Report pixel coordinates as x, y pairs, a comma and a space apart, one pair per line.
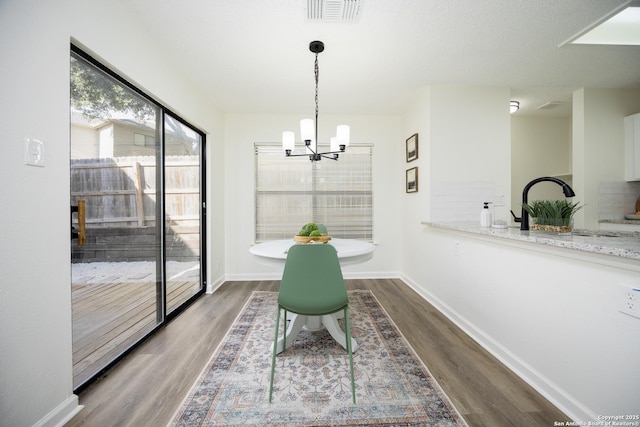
551, 315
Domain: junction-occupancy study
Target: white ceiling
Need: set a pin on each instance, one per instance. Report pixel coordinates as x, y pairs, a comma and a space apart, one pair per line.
251, 56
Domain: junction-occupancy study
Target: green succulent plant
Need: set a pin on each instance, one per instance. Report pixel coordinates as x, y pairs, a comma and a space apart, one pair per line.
308, 229
311, 226
552, 212
315, 233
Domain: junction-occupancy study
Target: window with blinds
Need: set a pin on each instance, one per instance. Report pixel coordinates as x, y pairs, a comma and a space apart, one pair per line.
292, 191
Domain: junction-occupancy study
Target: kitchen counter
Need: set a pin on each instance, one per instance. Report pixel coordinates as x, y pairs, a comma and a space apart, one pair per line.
621, 221
619, 244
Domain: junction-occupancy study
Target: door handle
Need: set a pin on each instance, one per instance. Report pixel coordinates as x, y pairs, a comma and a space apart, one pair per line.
81, 234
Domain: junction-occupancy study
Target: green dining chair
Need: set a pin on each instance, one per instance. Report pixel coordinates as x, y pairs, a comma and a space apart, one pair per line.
312, 285
322, 229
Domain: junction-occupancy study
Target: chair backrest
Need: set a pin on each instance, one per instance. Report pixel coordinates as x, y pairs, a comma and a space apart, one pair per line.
322, 229
312, 281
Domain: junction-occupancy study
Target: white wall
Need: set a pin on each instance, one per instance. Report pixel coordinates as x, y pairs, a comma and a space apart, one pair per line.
414, 205
470, 150
540, 146
464, 144
243, 130
598, 144
35, 296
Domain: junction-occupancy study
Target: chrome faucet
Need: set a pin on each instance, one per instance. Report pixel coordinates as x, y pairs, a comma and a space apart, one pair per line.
524, 219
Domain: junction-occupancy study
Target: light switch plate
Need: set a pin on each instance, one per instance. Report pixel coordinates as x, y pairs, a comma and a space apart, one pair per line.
33, 152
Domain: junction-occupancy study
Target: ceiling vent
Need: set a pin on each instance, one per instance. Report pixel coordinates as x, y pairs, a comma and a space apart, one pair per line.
333, 10
549, 105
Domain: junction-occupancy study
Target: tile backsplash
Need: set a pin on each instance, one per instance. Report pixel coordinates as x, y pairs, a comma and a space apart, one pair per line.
615, 199
463, 200
459, 200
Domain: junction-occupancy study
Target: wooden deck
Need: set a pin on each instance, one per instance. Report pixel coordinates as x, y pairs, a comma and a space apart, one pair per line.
109, 317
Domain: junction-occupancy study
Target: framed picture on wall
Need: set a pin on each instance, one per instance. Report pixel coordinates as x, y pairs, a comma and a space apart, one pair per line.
412, 148
412, 180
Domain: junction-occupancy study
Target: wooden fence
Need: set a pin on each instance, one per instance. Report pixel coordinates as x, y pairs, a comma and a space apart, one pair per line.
122, 191
121, 194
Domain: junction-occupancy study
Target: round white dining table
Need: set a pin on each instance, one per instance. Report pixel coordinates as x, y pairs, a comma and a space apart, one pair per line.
349, 251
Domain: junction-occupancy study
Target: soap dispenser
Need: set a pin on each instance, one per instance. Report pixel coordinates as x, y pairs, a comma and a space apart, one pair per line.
486, 218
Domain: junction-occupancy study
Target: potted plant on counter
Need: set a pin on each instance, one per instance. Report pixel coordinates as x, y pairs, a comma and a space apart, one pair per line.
552, 216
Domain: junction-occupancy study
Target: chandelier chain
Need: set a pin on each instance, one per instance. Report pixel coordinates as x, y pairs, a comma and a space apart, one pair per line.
317, 74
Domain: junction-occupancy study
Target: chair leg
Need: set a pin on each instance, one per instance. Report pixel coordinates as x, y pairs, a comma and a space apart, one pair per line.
275, 350
284, 336
347, 325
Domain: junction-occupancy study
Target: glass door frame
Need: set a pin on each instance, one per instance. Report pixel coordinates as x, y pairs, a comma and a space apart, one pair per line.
203, 212
162, 317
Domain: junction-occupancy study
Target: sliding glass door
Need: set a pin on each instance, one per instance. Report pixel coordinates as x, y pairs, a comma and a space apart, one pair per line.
183, 202
137, 208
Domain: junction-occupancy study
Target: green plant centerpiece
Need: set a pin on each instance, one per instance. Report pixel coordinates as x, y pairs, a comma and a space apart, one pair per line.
555, 216
307, 229
310, 233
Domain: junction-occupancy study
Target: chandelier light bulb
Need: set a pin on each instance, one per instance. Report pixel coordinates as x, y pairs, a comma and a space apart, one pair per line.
307, 129
343, 134
288, 141
335, 146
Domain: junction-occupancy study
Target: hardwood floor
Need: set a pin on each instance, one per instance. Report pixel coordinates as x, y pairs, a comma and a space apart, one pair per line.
146, 387
108, 318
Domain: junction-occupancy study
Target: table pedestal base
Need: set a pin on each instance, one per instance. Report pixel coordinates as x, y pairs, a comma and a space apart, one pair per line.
315, 323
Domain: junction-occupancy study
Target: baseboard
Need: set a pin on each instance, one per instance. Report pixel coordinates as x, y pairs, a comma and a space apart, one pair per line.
215, 284
250, 277
62, 414
371, 274
543, 385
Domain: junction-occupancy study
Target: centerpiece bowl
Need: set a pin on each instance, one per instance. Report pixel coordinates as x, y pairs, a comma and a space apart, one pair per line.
310, 239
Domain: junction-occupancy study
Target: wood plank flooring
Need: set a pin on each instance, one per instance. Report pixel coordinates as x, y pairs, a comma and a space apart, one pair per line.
109, 317
146, 387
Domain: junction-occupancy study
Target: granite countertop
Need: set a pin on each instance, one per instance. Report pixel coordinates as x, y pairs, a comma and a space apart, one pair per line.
621, 221
621, 244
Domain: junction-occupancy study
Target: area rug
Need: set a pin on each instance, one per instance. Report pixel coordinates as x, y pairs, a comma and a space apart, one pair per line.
312, 384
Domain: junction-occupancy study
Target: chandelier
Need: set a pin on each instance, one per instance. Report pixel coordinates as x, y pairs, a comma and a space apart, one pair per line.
309, 128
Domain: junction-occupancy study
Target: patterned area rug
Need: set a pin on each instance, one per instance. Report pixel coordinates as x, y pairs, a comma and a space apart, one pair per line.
312, 382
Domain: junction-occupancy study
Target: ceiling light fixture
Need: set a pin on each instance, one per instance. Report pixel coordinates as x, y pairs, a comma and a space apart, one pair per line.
309, 132
514, 106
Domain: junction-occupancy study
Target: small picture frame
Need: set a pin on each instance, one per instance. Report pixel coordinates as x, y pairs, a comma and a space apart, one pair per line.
412, 147
412, 180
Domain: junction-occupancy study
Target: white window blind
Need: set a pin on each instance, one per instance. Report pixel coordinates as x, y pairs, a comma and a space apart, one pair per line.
292, 191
